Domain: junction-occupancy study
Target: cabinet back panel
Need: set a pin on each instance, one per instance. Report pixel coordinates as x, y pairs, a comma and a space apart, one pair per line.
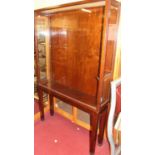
75, 48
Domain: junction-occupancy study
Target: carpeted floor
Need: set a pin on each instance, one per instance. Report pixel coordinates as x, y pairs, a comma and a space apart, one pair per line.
36, 107
59, 136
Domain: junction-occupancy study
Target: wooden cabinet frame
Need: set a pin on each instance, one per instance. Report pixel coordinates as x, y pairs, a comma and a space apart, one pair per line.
98, 113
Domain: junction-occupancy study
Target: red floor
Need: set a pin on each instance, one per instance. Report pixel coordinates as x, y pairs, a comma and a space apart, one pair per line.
59, 136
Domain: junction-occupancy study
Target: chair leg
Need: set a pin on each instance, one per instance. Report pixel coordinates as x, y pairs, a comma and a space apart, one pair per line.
102, 125
51, 105
41, 106
93, 132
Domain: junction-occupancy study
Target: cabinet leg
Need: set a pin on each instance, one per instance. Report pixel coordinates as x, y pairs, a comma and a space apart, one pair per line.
51, 105
41, 106
102, 125
93, 132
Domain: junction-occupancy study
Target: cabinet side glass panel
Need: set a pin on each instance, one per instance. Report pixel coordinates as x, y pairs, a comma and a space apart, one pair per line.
41, 29
112, 36
111, 49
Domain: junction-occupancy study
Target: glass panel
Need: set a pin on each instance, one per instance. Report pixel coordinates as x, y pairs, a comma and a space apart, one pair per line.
83, 116
65, 107
41, 39
41, 28
111, 48
112, 37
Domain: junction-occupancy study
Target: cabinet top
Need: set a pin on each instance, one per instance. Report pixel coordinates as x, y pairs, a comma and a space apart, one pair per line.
70, 6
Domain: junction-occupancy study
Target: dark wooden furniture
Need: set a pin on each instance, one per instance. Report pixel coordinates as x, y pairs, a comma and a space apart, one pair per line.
82, 44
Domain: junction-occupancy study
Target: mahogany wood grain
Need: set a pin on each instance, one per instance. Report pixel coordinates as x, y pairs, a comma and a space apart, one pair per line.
93, 132
77, 98
102, 125
106, 86
81, 59
74, 64
41, 106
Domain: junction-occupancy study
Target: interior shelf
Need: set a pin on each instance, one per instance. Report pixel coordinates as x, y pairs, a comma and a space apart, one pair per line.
66, 92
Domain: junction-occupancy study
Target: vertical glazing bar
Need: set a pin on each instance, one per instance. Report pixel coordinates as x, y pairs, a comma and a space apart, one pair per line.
47, 43
36, 47
103, 52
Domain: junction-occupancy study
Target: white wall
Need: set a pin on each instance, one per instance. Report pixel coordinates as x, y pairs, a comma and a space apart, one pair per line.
47, 3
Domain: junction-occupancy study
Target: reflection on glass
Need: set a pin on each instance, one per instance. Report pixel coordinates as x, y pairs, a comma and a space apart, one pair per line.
41, 33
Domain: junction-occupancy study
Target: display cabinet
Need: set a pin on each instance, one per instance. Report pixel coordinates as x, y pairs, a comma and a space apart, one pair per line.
81, 44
